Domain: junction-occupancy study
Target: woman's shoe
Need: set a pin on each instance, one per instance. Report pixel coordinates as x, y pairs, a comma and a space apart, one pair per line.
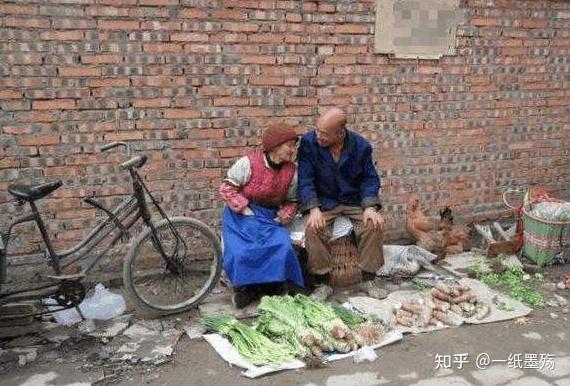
243, 296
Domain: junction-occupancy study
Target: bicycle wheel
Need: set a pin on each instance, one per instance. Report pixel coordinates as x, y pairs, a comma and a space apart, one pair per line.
151, 281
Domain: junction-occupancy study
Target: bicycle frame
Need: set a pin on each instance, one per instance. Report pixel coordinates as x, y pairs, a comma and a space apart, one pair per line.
134, 204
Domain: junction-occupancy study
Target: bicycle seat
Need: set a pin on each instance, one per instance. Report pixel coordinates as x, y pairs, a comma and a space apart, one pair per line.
33, 192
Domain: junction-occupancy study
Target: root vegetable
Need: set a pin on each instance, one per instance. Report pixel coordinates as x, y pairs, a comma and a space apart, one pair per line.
437, 294
465, 297
412, 308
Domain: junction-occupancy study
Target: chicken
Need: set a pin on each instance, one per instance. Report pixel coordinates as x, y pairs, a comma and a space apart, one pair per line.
421, 228
455, 237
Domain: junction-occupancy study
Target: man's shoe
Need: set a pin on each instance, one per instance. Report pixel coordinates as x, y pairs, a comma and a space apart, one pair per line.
321, 293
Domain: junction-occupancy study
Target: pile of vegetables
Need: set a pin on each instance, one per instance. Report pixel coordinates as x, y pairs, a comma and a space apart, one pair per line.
514, 280
289, 327
251, 344
444, 304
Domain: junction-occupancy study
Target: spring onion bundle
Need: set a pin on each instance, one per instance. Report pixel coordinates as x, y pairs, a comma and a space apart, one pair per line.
366, 332
322, 318
285, 309
251, 344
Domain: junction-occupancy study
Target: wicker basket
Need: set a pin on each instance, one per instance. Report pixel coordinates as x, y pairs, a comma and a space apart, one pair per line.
345, 270
543, 239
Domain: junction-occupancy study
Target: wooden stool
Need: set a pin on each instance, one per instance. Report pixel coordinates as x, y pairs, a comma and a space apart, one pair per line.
345, 270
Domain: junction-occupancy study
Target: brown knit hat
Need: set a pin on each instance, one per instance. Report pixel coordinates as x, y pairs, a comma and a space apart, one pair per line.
277, 134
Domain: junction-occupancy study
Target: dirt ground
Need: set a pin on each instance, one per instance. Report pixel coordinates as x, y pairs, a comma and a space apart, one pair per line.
418, 359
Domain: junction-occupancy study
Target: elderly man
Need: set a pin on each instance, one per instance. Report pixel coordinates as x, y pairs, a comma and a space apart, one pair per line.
337, 177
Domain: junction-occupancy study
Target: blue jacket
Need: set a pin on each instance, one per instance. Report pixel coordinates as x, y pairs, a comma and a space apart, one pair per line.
353, 181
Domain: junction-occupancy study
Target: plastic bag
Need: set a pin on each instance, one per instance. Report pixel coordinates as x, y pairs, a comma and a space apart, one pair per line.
365, 354
67, 317
552, 211
103, 304
405, 260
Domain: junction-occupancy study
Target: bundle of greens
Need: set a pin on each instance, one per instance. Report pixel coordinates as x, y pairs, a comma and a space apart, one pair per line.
321, 317
367, 332
289, 320
251, 344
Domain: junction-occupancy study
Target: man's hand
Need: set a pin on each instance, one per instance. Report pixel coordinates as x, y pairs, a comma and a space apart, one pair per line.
247, 211
316, 219
376, 218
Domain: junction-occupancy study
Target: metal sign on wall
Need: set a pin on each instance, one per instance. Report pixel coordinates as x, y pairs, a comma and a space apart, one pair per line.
422, 29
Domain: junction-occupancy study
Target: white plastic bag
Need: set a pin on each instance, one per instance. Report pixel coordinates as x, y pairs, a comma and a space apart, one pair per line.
365, 354
103, 304
67, 317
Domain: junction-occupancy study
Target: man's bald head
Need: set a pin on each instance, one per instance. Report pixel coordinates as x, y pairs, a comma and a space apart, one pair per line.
332, 121
331, 127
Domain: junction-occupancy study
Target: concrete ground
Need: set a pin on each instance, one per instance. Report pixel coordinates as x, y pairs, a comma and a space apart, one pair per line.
532, 351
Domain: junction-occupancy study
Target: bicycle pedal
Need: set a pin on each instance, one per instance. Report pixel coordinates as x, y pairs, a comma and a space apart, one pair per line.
66, 277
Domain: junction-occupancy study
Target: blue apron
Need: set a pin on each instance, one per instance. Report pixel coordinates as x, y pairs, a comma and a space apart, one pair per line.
257, 249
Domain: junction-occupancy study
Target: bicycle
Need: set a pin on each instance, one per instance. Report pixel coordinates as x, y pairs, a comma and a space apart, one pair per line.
170, 267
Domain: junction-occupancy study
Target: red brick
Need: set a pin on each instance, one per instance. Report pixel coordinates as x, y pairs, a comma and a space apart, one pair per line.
62, 171
11, 9
161, 25
118, 25
486, 22
62, 35
10, 94
188, 37
228, 14
214, 91
159, 2
293, 17
124, 136
159, 102
116, 2
114, 82
17, 130
350, 90
9, 163
101, 59
534, 23
206, 134
74, 24
258, 59
338, 59
36, 116
510, 43
266, 81
75, 214
231, 101
352, 29
182, 114
241, 4
27, 23
192, 13
95, 10
79, 71
30, 140
56, 104
163, 47
240, 27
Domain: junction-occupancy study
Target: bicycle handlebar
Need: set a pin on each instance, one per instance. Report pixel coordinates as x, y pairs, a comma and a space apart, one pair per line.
115, 144
137, 162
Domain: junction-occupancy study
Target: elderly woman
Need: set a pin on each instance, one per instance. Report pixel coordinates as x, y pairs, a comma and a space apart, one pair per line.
260, 193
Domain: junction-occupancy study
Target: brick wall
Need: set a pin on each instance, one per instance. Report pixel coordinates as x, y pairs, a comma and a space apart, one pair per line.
192, 83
